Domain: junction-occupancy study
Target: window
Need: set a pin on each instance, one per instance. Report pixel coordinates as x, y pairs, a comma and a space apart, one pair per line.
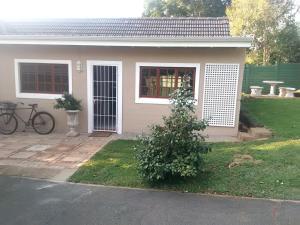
160, 82
155, 82
42, 78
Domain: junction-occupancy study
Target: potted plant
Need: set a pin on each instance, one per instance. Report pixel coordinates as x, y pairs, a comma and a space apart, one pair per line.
72, 106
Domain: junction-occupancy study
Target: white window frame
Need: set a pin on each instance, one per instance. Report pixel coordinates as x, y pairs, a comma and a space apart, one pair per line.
163, 101
20, 94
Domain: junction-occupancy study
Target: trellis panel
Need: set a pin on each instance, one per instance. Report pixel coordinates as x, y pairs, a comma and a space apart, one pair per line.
220, 94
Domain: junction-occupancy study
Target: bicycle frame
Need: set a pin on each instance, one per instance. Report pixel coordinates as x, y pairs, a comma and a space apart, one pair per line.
41, 122
28, 122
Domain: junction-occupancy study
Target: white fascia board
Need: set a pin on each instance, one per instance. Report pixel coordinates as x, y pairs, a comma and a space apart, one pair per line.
126, 42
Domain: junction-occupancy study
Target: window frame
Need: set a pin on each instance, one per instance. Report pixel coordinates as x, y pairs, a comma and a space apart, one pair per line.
20, 94
163, 100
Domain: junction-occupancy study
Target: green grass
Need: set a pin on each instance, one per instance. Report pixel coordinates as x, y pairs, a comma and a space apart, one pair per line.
282, 116
277, 176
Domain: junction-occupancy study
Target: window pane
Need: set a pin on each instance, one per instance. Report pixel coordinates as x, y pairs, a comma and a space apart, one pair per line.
27, 77
44, 78
148, 83
167, 81
61, 78
186, 71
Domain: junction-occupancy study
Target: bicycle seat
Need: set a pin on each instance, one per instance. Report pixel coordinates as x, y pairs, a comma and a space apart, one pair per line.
33, 105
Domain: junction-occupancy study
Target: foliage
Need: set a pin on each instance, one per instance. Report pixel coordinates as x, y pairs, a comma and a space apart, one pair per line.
176, 147
68, 102
185, 8
285, 51
271, 22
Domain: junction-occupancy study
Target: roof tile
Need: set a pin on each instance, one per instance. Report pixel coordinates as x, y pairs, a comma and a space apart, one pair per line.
122, 27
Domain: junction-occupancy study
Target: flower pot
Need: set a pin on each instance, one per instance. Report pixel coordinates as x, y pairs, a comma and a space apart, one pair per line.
73, 122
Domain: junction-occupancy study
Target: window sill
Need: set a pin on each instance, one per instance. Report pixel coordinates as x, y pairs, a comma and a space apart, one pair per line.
158, 101
38, 96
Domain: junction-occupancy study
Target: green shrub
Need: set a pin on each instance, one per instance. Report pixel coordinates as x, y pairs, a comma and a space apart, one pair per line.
68, 102
176, 147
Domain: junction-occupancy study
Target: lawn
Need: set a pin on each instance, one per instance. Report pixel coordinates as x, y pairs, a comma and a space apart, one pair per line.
282, 116
277, 175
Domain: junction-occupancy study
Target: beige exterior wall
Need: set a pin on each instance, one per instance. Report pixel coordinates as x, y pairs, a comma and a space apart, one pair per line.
136, 117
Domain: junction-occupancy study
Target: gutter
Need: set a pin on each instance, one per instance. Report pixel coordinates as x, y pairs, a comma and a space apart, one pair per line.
243, 42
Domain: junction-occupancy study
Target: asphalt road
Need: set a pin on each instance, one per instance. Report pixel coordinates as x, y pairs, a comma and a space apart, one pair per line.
36, 202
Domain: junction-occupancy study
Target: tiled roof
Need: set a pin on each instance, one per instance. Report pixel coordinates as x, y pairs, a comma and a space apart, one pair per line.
121, 27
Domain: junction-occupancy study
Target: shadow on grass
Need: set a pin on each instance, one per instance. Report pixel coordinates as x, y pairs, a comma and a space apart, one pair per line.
191, 184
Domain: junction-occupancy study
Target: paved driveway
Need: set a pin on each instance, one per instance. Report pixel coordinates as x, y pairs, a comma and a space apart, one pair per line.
34, 202
52, 156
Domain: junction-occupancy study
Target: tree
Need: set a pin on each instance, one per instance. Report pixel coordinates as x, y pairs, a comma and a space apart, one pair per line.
286, 47
176, 147
185, 8
271, 22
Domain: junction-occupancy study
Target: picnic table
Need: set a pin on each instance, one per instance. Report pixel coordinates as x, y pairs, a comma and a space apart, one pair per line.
272, 84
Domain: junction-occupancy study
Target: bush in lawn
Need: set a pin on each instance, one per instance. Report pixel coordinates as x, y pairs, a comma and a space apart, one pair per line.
176, 147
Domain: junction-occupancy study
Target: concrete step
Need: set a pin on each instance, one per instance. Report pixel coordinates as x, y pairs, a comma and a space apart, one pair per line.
243, 136
260, 132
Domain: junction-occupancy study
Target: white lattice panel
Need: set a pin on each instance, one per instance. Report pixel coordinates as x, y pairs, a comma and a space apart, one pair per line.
220, 93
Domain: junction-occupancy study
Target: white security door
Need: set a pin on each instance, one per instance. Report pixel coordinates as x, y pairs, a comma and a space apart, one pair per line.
105, 98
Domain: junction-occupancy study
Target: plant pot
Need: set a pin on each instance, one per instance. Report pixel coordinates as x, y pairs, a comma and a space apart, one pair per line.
72, 122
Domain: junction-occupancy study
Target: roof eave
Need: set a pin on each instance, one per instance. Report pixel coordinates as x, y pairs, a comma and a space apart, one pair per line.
244, 42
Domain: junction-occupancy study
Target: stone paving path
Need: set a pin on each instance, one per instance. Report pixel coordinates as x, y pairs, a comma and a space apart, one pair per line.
53, 156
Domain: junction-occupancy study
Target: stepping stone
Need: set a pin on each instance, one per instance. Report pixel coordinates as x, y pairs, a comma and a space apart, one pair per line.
38, 148
243, 136
260, 132
23, 155
74, 158
5, 154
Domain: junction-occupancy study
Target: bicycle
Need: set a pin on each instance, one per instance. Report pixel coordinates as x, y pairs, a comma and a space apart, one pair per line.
41, 122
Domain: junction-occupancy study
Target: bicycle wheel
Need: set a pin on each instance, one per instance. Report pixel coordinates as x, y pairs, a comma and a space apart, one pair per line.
8, 123
43, 123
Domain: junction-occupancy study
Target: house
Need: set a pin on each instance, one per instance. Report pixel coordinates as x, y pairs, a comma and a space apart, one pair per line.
123, 70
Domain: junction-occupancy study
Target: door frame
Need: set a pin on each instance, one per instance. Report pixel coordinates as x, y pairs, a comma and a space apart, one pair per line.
90, 92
